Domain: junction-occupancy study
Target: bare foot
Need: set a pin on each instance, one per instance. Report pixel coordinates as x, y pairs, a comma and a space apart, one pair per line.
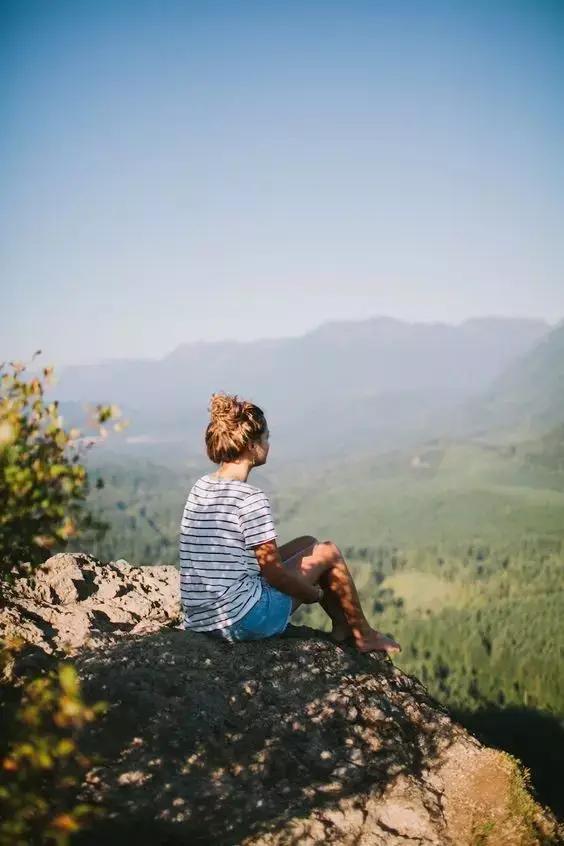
340, 633
375, 641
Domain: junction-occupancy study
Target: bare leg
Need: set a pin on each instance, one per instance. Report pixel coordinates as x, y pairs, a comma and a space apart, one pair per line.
290, 554
340, 630
322, 563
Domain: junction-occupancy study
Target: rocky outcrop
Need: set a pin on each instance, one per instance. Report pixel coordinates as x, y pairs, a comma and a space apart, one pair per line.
291, 740
73, 599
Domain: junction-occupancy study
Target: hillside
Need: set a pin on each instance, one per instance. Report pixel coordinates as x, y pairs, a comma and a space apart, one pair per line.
533, 386
548, 452
377, 381
442, 491
439, 491
291, 740
527, 396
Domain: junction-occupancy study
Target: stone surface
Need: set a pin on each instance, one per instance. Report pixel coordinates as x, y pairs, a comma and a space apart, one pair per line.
291, 740
73, 599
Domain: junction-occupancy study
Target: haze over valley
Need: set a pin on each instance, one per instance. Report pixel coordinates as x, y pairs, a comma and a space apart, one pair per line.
372, 384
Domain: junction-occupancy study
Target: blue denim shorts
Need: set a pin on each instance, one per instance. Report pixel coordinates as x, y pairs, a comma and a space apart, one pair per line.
269, 616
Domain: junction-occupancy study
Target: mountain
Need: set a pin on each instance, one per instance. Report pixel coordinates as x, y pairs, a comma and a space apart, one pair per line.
548, 451
526, 398
532, 387
376, 381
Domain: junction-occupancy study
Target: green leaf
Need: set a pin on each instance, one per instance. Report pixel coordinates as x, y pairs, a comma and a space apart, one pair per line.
68, 679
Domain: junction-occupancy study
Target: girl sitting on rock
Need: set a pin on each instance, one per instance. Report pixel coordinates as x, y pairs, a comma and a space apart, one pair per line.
235, 581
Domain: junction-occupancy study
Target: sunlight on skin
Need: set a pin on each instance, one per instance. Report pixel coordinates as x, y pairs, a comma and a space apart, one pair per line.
322, 563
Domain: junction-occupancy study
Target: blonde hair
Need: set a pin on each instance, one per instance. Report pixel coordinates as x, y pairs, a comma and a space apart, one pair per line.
233, 426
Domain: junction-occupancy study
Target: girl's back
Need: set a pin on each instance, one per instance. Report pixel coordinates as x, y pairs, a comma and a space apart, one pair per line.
219, 575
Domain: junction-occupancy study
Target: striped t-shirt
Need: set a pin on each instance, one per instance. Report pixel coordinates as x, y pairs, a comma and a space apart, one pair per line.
219, 574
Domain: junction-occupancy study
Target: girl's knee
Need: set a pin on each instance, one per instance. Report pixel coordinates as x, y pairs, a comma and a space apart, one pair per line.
328, 550
332, 545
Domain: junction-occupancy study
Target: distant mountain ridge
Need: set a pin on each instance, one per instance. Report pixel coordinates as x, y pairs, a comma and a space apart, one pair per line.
533, 385
378, 378
527, 396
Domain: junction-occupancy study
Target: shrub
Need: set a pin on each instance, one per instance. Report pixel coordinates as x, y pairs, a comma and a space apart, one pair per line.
41, 765
43, 485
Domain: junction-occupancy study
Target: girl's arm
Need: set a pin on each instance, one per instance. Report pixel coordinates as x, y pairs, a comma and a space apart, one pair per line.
286, 581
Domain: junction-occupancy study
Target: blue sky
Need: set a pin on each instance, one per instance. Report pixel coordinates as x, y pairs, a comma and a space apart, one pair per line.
181, 171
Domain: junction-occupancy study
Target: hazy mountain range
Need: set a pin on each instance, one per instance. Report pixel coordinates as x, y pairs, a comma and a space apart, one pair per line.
378, 382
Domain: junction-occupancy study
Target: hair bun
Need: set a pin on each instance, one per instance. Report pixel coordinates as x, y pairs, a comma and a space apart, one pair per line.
225, 407
234, 424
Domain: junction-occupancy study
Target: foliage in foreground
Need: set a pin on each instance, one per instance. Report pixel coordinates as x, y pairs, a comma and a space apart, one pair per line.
41, 764
43, 485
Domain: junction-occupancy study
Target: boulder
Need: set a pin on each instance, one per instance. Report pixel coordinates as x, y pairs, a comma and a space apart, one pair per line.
72, 599
290, 740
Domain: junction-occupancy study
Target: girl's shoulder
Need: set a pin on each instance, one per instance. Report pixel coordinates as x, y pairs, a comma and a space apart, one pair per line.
253, 488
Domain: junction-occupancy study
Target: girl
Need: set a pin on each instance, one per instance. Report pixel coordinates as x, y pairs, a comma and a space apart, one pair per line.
235, 581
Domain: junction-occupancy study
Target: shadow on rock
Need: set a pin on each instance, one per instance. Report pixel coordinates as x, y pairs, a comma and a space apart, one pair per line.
210, 743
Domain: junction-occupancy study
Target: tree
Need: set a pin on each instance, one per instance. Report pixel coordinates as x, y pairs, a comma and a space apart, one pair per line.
43, 485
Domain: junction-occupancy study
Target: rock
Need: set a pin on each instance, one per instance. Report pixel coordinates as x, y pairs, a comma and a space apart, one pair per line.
290, 740
73, 598
409, 819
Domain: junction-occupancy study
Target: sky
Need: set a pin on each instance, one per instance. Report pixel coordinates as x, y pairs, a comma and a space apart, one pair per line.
186, 171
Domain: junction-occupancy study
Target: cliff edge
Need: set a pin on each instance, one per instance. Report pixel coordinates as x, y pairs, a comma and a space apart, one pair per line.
291, 740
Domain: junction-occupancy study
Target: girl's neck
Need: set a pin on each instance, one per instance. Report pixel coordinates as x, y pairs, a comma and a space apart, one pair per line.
232, 473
